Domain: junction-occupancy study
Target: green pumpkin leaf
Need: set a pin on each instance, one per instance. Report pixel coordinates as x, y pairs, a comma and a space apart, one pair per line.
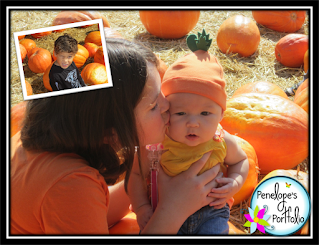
247, 224
199, 42
263, 222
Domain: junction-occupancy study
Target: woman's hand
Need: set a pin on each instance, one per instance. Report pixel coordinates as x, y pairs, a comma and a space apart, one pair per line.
181, 196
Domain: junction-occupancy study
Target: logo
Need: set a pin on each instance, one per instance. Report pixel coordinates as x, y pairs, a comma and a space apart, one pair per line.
286, 203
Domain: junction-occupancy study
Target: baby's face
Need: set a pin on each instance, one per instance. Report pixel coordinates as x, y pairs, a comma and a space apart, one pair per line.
64, 59
194, 118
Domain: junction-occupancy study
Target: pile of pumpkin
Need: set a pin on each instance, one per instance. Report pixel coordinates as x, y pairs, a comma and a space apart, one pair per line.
40, 60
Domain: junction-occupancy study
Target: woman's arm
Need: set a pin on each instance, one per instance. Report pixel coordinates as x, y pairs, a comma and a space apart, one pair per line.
181, 196
119, 203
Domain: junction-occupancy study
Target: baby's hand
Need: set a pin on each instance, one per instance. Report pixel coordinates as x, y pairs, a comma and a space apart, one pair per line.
229, 187
143, 214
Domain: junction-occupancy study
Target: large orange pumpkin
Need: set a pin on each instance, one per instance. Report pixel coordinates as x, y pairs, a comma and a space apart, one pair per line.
238, 34
277, 128
28, 44
252, 179
99, 56
16, 117
81, 56
93, 37
66, 17
94, 73
40, 60
261, 87
23, 52
46, 79
92, 48
290, 50
169, 24
302, 97
283, 21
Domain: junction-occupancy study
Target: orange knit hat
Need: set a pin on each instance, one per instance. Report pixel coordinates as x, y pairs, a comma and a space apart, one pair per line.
198, 73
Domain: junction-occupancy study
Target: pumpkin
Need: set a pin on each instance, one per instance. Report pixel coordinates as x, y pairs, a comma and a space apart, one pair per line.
66, 17
252, 179
21, 37
283, 21
99, 56
81, 56
169, 24
28, 88
302, 97
277, 128
306, 61
127, 225
16, 117
40, 60
28, 44
92, 48
32, 51
41, 34
261, 87
238, 34
46, 79
23, 52
94, 37
111, 33
60, 30
290, 50
94, 73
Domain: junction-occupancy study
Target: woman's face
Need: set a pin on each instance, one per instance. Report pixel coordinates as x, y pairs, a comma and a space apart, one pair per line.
151, 113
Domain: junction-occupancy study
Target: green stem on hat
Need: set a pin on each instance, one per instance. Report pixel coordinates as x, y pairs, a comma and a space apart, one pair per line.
199, 42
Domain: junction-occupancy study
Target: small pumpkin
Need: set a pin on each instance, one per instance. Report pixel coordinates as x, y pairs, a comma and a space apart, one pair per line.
302, 96
306, 61
28, 88
99, 56
46, 79
66, 17
17, 114
277, 128
93, 37
32, 51
92, 48
238, 34
40, 60
283, 21
21, 37
23, 52
94, 74
169, 24
252, 179
81, 56
290, 50
28, 44
41, 34
261, 87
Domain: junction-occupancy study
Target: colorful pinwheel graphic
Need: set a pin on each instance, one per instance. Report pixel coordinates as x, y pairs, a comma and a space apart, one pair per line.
256, 220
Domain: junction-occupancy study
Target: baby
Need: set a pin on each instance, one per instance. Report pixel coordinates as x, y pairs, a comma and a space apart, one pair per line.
195, 87
64, 74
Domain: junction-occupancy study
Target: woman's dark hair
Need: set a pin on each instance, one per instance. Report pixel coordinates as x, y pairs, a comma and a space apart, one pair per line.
79, 122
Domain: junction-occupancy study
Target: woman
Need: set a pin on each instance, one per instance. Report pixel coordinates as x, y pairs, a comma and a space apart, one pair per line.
67, 154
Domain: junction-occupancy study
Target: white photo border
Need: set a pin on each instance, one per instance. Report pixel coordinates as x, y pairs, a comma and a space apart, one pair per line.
65, 91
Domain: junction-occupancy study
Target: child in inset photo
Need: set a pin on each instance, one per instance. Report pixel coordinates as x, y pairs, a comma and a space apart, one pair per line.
195, 87
64, 74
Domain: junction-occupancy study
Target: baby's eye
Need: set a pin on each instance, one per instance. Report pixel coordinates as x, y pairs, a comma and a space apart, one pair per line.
180, 113
205, 113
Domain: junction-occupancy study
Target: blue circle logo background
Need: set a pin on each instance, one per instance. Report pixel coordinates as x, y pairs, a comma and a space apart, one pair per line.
286, 201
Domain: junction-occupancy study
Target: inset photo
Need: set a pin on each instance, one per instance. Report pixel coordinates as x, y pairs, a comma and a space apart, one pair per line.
62, 59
